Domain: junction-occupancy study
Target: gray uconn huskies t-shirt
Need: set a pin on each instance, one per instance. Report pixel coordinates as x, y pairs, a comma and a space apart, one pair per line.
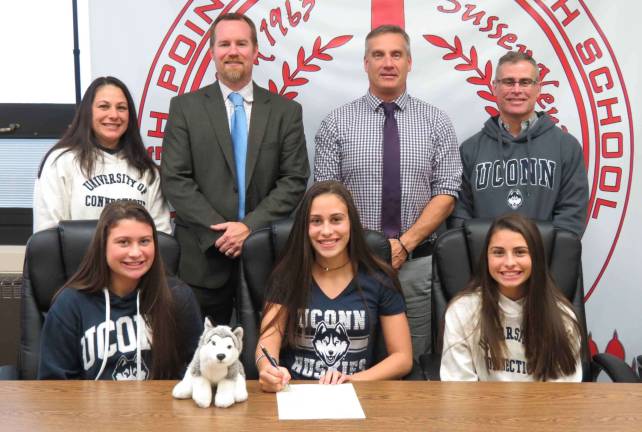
339, 333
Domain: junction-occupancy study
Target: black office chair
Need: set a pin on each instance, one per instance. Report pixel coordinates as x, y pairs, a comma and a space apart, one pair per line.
52, 257
260, 252
455, 258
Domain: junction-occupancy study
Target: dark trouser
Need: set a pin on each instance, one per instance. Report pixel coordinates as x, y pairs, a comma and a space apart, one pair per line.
415, 280
218, 303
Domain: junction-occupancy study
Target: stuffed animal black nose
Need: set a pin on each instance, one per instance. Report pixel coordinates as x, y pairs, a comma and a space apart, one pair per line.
220, 356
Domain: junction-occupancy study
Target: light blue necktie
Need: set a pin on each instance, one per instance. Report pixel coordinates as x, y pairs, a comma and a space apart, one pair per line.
239, 140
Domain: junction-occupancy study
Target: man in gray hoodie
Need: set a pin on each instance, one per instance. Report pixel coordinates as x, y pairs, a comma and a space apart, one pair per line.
520, 161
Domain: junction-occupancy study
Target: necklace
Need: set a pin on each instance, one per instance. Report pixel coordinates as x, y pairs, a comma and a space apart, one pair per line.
329, 269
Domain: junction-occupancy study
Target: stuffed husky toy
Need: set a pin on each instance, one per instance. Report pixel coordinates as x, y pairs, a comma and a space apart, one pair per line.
215, 363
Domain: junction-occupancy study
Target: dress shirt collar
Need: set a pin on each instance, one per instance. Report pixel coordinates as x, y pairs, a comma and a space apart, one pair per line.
375, 103
246, 92
524, 125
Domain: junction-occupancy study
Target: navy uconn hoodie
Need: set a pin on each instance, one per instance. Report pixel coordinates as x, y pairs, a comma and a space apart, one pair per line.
540, 174
73, 336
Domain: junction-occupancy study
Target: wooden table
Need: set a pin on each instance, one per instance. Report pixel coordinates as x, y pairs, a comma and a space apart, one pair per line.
392, 406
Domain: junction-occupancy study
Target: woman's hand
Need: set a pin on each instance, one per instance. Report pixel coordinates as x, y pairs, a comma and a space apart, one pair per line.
273, 379
333, 376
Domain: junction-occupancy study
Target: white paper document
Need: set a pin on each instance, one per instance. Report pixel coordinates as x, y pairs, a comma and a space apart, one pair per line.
317, 401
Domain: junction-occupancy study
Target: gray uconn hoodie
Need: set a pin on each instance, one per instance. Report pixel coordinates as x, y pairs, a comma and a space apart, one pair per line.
540, 174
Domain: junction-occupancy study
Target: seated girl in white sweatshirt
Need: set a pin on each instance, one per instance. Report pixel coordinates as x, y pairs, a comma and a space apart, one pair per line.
511, 323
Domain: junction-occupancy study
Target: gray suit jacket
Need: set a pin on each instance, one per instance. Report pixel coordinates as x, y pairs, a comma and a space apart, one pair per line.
198, 176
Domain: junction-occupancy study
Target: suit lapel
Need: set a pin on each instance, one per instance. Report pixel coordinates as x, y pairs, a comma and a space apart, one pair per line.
218, 117
258, 123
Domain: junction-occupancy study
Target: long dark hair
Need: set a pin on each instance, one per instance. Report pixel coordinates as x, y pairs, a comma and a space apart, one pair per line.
288, 285
551, 352
156, 301
80, 138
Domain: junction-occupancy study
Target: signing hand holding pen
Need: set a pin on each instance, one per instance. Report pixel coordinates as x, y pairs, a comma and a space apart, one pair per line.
272, 377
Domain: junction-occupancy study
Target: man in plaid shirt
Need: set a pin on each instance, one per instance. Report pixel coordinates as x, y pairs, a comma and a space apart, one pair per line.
399, 157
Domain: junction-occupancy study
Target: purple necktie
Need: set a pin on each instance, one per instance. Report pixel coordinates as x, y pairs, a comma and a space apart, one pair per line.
391, 179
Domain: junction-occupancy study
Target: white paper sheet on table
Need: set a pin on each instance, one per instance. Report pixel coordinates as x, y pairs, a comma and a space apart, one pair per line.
317, 401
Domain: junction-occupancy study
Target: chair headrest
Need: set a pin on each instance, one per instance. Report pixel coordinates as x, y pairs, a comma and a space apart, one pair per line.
170, 252
379, 244
263, 248
476, 230
280, 233
43, 268
75, 237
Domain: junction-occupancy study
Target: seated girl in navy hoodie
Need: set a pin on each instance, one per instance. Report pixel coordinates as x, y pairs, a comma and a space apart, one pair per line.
119, 303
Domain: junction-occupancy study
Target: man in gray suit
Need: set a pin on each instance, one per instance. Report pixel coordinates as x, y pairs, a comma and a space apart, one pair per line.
234, 160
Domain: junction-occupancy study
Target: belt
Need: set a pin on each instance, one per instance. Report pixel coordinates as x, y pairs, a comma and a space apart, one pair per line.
424, 249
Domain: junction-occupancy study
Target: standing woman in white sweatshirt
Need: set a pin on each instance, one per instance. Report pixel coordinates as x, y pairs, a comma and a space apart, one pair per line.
512, 323
100, 159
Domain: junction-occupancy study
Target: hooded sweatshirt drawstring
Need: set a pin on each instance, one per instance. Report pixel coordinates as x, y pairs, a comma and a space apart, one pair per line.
139, 325
106, 337
528, 158
139, 375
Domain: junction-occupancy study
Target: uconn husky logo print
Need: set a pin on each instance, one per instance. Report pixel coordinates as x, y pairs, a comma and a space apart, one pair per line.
515, 199
330, 339
126, 370
331, 343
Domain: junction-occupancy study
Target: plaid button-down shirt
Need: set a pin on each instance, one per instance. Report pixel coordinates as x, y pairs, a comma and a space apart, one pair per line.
349, 148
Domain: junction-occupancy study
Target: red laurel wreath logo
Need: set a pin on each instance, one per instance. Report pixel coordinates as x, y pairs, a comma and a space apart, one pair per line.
495, 29
469, 63
587, 92
304, 64
182, 66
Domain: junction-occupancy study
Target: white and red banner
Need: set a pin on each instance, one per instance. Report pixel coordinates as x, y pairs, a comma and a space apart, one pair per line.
312, 51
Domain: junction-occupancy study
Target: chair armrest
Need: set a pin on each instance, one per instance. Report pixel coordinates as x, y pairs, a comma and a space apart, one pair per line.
8, 372
615, 368
430, 364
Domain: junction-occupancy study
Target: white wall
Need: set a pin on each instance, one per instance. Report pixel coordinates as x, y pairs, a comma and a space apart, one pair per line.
36, 45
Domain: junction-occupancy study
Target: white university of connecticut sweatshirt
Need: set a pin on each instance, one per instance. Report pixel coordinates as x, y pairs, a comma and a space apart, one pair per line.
63, 192
463, 359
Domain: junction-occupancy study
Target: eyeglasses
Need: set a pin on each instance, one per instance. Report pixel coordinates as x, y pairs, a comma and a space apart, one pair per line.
510, 82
